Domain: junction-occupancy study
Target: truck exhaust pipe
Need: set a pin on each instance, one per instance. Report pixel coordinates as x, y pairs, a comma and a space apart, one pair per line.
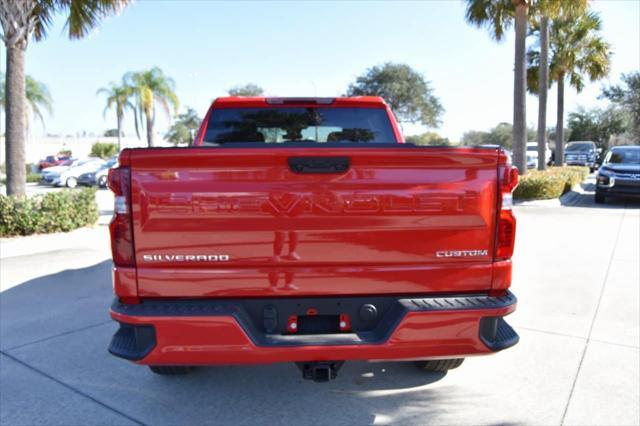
320, 371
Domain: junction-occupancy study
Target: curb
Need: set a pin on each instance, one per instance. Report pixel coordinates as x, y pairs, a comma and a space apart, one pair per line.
568, 199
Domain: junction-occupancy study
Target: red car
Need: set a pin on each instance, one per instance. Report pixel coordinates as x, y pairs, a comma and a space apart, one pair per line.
53, 160
306, 230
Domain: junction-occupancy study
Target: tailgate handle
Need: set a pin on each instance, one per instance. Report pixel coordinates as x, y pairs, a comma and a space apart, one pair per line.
319, 164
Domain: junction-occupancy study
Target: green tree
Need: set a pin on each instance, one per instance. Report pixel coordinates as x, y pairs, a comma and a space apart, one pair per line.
20, 21
37, 96
474, 137
501, 134
184, 128
627, 95
112, 133
551, 135
405, 90
498, 16
577, 49
118, 98
149, 88
427, 138
597, 125
104, 150
249, 89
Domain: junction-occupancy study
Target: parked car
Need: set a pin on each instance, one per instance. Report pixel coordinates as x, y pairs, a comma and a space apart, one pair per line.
50, 172
619, 174
98, 177
68, 175
532, 154
53, 160
581, 153
303, 230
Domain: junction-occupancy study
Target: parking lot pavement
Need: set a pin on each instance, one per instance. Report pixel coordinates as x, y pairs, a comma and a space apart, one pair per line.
576, 274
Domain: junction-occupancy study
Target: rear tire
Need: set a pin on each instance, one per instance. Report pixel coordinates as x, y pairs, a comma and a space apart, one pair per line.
170, 370
600, 198
102, 182
440, 365
71, 182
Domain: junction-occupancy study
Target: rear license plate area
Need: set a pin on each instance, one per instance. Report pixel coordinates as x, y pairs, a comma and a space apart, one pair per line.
318, 324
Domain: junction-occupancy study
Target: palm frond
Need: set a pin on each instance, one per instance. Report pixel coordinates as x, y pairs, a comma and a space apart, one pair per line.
43, 14
576, 49
82, 15
495, 15
38, 96
85, 15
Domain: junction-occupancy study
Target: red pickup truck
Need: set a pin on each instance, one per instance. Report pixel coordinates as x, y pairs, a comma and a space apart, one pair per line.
306, 230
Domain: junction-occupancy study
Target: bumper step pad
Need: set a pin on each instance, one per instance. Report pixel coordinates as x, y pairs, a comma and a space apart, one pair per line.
133, 342
497, 334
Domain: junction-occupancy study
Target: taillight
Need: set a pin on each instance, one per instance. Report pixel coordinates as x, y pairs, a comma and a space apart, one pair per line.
121, 226
506, 228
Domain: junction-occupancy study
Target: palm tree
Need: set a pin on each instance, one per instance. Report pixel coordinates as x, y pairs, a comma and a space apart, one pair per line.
498, 16
118, 97
577, 49
547, 9
543, 88
20, 21
37, 96
151, 87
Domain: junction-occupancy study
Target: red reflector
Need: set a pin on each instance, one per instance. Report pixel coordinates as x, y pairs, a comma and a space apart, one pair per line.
292, 324
345, 323
506, 235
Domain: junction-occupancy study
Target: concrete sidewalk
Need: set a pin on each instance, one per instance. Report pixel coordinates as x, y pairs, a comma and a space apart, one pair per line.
576, 274
27, 258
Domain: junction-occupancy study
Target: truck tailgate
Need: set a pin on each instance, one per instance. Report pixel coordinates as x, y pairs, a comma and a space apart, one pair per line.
241, 222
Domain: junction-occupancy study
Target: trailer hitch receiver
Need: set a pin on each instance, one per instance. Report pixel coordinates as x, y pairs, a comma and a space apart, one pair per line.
320, 371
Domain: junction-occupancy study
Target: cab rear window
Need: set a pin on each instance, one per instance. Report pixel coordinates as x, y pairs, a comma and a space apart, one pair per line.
298, 124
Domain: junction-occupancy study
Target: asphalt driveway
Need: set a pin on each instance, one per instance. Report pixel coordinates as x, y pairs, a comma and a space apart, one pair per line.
576, 274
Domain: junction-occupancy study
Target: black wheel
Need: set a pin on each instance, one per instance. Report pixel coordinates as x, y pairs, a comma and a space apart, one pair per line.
592, 169
439, 364
600, 198
170, 370
102, 182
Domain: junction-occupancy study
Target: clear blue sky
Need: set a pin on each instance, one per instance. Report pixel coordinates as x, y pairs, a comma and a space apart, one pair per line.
303, 48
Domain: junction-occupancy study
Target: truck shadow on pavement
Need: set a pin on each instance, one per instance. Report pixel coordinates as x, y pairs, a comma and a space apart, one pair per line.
58, 326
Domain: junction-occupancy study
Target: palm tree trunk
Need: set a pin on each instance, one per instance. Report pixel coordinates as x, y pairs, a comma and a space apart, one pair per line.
519, 90
149, 129
119, 118
560, 123
543, 87
136, 112
15, 121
